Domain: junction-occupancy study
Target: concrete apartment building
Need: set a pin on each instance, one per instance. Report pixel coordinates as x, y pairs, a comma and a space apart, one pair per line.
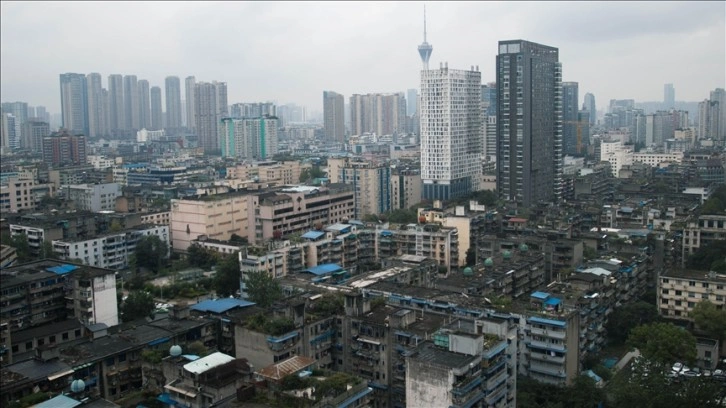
700, 232
23, 194
110, 250
216, 217
679, 290
37, 293
286, 172
93, 197
371, 183
405, 188
298, 209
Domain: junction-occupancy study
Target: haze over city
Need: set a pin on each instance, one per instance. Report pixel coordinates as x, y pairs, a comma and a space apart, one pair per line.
291, 52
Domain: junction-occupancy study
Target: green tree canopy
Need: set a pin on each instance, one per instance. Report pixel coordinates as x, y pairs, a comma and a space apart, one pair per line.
716, 204
627, 317
709, 257
262, 288
226, 280
137, 305
710, 319
663, 343
20, 243
151, 252
201, 257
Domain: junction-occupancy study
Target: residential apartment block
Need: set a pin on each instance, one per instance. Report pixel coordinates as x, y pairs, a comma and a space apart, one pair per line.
371, 183
216, 217
93, 197
680, 290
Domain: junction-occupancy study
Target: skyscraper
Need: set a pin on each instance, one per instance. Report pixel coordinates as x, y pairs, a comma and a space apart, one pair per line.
131, 103
144, 105
411, 102
96, 105
669, 96
334, 116
190, 86
249, 138
35, 131
19, 111
61, 149
451, 132
382, 114
74, 99
529, 122
589, 106
7, 132
173, 102
156, 112
116, 108
211, 107
425, 49
570, 108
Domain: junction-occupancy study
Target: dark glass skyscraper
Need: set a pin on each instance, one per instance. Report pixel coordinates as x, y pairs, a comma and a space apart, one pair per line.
529, 122
570, 108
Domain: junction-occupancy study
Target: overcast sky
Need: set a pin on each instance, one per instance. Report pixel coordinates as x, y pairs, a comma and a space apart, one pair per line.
291, 52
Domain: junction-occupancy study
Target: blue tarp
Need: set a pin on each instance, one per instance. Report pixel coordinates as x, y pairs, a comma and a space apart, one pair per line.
386, 233
540, 295
552, 301
166, 399
159, 341
288, 336
324, 269
355, 398
62, 269
312, 234
220, 305
551, 322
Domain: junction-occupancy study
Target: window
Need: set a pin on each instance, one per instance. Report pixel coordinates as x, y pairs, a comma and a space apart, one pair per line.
691, 283
65, 336
704, 284
52, 339
665, 291
28, 345
691, 294
77, 333
664, 301
679, 293
704, 296
665, 280
691, 304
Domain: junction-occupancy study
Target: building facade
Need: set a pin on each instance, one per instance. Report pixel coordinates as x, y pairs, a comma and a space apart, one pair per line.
529, 122
451, 134
334, 116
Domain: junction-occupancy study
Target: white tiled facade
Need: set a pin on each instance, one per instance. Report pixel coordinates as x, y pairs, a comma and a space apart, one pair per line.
451, 136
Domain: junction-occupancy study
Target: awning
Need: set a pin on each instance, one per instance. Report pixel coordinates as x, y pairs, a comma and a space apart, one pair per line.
181, 391
60, 374
377, 343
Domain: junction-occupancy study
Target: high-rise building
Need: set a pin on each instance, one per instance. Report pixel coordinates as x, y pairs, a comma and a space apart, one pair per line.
19, 111
211, 107
62, 149
669, 96
190, 86
74, 103
131, 103
42, 114
411, 102
173, 102
116, 108
489, 98
249, 138
371, 181
96, 105
156, 111
489, 120
570, 109
253, 110
590, 107
712, 116
35, 130
382, 114
451, 132
7, 133
334, 116
144, 105
529, 122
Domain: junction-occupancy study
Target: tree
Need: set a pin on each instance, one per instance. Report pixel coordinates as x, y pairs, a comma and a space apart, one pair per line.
311, 174
47, 251
20, 243
226, 280
470, 256
708, 257
151, 252
137, 305
262, 288
663, 343
710, 319
627, 317
198, 349
201, 257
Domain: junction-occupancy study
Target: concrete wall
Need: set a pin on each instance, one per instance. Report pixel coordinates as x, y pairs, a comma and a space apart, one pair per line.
427, 386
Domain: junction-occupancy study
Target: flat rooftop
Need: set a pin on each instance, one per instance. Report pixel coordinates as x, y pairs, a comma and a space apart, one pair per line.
429, 353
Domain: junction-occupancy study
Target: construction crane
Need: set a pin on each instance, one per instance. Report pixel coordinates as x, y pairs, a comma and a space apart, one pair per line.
579, 133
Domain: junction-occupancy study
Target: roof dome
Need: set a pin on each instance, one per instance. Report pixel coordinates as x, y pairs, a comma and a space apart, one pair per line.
507, 254
78, 386
468, 271
523, 247
489, 262
175, 350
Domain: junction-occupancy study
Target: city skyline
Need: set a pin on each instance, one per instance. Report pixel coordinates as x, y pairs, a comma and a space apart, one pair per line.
309, 58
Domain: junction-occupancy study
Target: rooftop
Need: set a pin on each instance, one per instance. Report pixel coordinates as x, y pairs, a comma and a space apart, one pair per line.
292, 365
207, 363
693, 274
427, 352
221, 305
46, 330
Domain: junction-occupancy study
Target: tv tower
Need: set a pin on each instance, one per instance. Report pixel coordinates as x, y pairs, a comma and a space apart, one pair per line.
425, 49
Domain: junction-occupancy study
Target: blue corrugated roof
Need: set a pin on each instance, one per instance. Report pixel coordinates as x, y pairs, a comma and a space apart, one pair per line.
313, 234
60, 401
553, 301
324, 269
190, 357
540, 320
540, 295
62, 269
220, 305
159, 341
386, 233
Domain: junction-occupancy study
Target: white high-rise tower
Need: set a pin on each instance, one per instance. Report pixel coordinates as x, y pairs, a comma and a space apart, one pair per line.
425, 49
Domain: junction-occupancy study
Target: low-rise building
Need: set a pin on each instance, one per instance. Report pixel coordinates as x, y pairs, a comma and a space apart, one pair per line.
680, 290
217, 217
93, 197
